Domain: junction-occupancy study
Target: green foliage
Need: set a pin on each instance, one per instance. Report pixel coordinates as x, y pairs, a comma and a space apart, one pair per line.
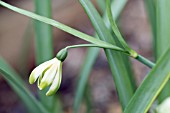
159, 19
43, 43
20, 88
151, 86
115, 28
43, 32
131, 101
162, 37
92, 53
115, 60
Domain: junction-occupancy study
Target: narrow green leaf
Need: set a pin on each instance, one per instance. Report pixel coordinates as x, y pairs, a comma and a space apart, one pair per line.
116, 7
25, 50
114, 26
43, 43
18, 86
57, 24
92, 53
163, 37
151, 86
118, 37
57, 106
119, 71
151, 11
43, 32
102, 5
163, 26
84, 74
88, 99
159, 18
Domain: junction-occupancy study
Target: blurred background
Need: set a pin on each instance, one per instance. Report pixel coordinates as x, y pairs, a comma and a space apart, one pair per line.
17, 47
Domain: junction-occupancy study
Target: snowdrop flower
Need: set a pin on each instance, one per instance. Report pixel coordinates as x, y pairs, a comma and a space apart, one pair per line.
164, 107
49, 73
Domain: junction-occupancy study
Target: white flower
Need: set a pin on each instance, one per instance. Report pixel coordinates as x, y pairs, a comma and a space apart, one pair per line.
48, 73
164, 107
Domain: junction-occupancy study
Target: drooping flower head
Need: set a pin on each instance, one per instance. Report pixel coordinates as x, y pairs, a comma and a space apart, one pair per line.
49, 73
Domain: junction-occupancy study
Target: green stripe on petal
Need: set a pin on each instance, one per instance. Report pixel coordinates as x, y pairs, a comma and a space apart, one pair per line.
39, 70
56, 83
49, 76
41, 76
39, 81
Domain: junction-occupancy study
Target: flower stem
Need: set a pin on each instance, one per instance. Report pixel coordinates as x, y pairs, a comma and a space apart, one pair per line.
134, 55
116, 48
138, 57
145, 61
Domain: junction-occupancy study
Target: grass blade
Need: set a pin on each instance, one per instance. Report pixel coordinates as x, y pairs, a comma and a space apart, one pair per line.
163, 26
91, 56
163, 37
43, 32
58, 25
25, 51
43, 43
84, 75
18, 86
151, 10
114, 27
119, 71
151, 86
102, 5
88, 99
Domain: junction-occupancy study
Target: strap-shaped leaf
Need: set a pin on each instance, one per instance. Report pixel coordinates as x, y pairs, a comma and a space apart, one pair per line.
92, 53
43, 43
18, 86
151, 86
58, 25
162, 38
120, 74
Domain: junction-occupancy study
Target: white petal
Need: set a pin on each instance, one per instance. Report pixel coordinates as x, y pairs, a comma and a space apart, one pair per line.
57, 81
39, 70
164, 107
48, 76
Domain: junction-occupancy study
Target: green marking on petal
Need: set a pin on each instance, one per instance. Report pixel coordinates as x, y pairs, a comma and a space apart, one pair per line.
55, 86
39, 82
32, 78
50, 74
43, 85
39, 70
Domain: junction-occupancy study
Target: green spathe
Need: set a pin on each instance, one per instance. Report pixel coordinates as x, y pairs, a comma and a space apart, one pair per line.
62, 54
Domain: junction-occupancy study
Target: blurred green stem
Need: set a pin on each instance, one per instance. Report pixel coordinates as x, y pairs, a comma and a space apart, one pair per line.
43, 32
43, 43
